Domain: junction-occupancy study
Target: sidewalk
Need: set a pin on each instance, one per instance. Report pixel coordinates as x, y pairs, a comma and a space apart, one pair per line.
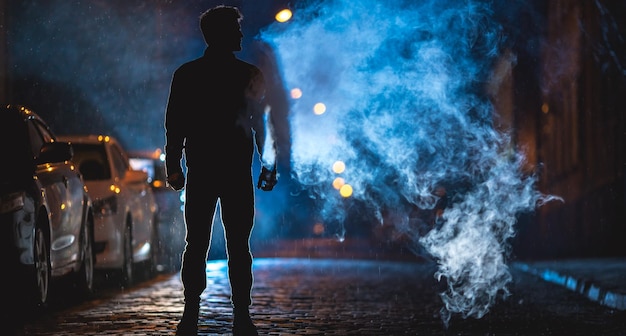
600, 279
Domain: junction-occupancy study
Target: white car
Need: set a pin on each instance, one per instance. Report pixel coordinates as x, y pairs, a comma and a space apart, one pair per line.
170, 203
46, 215
125, 209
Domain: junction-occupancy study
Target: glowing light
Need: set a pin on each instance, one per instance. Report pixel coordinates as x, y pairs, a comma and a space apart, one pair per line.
283, 15
319, 108
156, 153
62, 206
216, 266
296, 93
338, 183
339, 167
318, 229
345, 190
545, 108
114, 188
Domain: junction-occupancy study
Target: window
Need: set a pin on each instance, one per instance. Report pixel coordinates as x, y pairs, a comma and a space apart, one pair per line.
119, 160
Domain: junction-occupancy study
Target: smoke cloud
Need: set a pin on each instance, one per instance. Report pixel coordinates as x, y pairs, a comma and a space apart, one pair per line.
402, 83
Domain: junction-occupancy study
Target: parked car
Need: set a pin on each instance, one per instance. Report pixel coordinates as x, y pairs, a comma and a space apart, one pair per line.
46, 217
125, 210
170, 204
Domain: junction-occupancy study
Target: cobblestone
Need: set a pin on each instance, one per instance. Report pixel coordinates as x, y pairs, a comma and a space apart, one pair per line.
348, 294
291, 297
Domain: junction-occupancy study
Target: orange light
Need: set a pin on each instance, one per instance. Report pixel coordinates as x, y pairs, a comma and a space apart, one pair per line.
157, 153
296, 93
284, 15
345, 190
318, 228
338, 183
114, 188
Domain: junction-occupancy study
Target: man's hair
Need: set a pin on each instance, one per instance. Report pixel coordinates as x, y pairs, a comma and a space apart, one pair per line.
213, 21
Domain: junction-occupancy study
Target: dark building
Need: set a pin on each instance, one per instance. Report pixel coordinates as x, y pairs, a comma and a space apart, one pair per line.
565, 98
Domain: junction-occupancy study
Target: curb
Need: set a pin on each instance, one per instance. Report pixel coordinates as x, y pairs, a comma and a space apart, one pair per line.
586, 288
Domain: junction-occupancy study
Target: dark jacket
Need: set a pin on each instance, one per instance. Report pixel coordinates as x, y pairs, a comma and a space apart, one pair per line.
213, 112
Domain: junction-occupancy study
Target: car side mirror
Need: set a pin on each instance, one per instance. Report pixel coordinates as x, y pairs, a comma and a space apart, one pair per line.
53, 152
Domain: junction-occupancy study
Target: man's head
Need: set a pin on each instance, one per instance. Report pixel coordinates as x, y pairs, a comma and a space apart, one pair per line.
221, 27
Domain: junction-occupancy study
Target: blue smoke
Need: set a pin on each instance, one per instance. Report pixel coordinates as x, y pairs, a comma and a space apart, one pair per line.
403, 83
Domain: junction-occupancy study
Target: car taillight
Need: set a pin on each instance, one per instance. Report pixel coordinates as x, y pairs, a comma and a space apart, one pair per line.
12, 202
105, 206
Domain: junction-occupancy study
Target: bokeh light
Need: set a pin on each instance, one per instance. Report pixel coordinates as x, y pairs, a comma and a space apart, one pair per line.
319, 108
339, 167
296, 93
345, 190
283, 15
338, 183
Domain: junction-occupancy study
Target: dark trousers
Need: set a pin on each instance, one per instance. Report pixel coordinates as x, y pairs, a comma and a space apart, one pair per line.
235, 192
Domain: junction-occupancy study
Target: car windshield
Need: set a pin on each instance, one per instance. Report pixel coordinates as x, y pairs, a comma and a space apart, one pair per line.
91, 161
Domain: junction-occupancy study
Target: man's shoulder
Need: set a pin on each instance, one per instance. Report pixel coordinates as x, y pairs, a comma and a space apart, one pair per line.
190, 65
251, 68
245, 63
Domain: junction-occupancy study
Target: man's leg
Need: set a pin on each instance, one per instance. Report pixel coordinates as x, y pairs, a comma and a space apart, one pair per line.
198, 222
238, 219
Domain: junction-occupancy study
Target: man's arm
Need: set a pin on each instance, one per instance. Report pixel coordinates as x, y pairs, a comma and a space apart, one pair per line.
174, 136
265, 140
263, 133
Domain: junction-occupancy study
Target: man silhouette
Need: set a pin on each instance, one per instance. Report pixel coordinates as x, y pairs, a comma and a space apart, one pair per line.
215, 113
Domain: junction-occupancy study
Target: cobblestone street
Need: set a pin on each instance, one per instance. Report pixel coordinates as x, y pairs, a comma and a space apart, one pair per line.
291, 297
326, 296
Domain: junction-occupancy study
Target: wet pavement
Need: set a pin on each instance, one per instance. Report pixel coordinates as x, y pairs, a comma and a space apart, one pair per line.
320, 288
602, 280
292, 296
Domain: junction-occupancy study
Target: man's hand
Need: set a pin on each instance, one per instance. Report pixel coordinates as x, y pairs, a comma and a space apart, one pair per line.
267, 179
176, 181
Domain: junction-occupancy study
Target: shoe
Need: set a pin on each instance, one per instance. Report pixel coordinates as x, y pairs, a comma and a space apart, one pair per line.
188, 325
187, 328
243, 325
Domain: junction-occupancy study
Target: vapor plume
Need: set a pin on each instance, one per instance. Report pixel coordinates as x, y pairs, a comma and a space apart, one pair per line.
402, 83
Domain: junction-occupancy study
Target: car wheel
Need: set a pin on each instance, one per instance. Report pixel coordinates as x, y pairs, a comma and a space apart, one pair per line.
85, 276
128, 264
42, 267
